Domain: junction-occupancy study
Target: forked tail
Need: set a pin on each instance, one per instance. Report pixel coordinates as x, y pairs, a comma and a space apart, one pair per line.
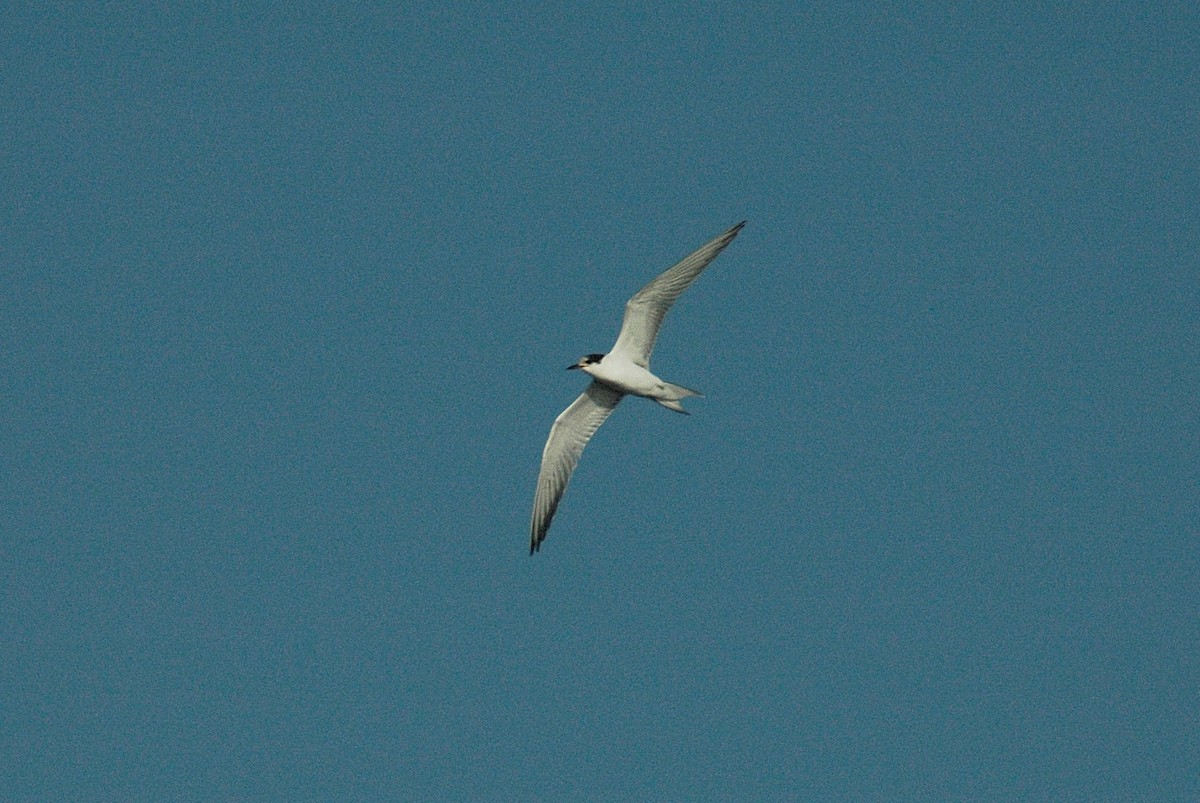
672, 395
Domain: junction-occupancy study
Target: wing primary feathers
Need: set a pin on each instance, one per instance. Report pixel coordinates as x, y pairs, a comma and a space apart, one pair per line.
644, 312
571, 432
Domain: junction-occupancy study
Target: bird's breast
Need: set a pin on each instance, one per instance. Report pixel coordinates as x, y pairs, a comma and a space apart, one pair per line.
626, 377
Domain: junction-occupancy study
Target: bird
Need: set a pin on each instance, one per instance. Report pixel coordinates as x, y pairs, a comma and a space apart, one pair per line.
624, 370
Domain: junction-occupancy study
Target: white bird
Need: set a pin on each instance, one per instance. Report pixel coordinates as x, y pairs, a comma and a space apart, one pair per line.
624, 370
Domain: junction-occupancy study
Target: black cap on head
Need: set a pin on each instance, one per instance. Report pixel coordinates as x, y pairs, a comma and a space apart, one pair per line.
587, 359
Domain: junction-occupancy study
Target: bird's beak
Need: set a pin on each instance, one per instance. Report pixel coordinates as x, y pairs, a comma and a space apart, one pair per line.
572, 367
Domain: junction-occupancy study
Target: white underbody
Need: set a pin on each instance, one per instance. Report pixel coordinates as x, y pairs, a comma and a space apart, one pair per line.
628, 377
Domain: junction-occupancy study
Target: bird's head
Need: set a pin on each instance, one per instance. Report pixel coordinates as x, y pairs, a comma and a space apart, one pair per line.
585, 361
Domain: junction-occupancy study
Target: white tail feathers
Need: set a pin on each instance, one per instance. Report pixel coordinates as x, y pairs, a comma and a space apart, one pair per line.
672, 394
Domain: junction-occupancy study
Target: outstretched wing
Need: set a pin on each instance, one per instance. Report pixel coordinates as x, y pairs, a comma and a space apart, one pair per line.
644, 312
572, 430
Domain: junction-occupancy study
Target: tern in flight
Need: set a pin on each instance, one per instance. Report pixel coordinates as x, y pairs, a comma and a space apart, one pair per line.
624, 370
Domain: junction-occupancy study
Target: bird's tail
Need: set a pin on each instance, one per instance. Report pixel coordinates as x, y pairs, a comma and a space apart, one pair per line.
673, 394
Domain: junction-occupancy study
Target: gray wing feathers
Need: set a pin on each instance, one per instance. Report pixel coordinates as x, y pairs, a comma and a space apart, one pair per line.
644, 312
572, 430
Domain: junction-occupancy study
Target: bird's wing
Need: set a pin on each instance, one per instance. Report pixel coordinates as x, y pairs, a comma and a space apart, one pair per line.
644, 312
572, 430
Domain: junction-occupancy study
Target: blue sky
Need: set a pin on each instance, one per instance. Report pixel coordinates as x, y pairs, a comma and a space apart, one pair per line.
288, 295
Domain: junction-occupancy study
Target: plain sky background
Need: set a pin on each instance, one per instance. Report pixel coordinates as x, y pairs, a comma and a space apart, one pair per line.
287, 296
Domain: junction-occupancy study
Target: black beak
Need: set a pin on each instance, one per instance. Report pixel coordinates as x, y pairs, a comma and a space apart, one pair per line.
572, 367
